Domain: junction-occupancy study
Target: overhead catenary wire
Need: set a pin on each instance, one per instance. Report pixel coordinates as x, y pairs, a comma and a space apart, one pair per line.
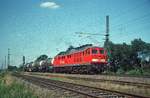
130, 10
133, 20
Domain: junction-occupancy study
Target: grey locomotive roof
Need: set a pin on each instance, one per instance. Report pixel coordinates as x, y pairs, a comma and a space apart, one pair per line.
73, 50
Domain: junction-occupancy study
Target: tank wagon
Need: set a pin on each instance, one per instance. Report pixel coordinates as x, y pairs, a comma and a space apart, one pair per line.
39, 66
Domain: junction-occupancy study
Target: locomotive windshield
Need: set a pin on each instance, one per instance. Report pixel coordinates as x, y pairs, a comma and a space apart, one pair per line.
101, 51
94, 51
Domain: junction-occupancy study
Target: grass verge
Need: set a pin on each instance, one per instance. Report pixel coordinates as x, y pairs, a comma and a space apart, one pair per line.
11, 89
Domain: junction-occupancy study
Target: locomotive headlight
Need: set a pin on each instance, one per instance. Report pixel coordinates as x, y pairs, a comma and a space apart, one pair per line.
95, 60
102, 60
52, 61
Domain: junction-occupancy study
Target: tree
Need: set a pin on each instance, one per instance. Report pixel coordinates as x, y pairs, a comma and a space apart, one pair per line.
12, 68
138, 45
121, 56
124, 56
70, 48
41, 57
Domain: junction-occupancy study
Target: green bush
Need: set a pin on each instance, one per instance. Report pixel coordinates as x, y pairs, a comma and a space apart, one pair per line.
2, 74
137, 71
146, 72
108, 72
120, 71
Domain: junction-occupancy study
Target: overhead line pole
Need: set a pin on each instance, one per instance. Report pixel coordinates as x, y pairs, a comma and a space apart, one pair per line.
8, 59
1, 68
107, 28
107, 34
106, 44
5, 63
23, 62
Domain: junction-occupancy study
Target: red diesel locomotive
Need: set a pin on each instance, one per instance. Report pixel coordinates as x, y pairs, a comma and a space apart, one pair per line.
89, 59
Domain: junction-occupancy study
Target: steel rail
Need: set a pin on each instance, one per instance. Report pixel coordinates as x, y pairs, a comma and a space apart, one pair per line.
103, 92
112, 81
145, 85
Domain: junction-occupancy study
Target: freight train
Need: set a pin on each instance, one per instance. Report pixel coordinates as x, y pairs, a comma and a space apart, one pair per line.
84, 59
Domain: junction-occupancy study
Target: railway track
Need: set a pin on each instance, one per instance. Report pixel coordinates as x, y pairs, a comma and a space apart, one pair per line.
113, 81
145, 85
90, 92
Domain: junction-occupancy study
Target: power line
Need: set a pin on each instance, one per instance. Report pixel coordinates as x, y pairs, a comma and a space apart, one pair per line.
130, 22
130, 10
133, 20
85, 33
97, 34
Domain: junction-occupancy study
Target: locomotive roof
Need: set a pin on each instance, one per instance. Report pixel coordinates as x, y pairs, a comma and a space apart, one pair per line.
81, 48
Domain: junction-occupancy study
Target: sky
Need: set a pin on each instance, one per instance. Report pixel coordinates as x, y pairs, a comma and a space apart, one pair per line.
35, 27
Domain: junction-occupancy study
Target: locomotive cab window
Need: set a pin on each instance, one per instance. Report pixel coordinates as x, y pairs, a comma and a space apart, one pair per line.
101, 51
94, 51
